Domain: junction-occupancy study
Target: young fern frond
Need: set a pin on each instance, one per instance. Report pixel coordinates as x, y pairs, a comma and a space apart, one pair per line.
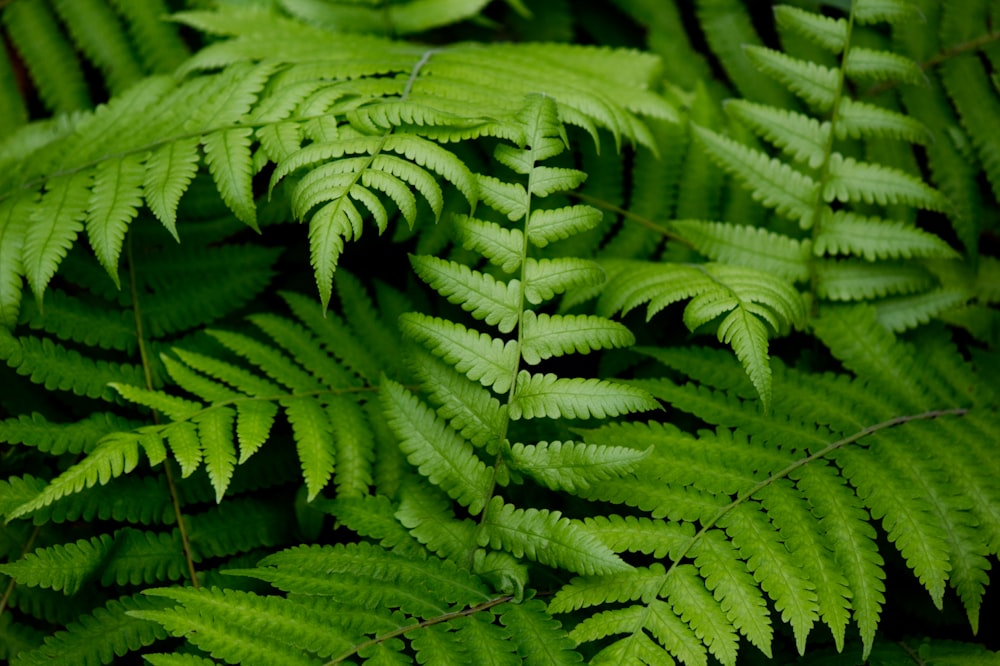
435, 439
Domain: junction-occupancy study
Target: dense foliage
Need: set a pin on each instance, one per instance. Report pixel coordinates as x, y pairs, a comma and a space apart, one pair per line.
432, 426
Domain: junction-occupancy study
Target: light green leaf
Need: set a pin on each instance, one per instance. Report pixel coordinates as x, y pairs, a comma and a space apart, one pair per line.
228, 156
114, 202
572, 465
480, 357
215, 431
814, 83
254, 419
548, 225
544, 278
547, 537
438, 452
549, 396
497, 303
544, 336
313, 440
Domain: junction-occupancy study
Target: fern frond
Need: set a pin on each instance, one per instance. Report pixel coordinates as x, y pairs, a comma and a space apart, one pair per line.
800, 136
170, 169
429, 584
56, 221
471, 410
547, 225
501, 246
282, 633
95, 28
853, 279
111, 458
12, 223
58, 438
827, 31
545, 336
753, 305
48, 56
885, 11
814, 83
862, 120
218, 532
135, 500
844, 232
425, 513
850, 180
64, 567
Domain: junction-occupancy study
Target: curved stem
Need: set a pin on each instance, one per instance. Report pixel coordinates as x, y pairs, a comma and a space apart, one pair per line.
822, 453
12, 584
470, 610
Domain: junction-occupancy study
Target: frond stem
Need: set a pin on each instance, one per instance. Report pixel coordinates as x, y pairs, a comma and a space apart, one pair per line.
465, 612
148, 374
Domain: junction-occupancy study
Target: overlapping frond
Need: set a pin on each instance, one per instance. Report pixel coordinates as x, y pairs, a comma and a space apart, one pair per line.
798, 532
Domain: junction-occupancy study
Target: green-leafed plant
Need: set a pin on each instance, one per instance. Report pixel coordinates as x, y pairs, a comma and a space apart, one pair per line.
226, 441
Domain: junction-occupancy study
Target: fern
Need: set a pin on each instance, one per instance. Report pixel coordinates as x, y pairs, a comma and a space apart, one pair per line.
454, 454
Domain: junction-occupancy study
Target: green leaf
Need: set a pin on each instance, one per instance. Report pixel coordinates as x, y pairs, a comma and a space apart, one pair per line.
55, 222
549, 396
826, 31
545, 336
114, 202
547, 537
228, 156
548, 225
771, 182
110, 459
313, 441
437, 451
814, 83
215, 432
571, 465
850, 180
497, 303
480, 357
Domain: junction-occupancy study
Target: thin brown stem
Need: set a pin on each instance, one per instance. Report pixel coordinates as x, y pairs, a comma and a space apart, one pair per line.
470, 610
148, 375
12, 584
628, 215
